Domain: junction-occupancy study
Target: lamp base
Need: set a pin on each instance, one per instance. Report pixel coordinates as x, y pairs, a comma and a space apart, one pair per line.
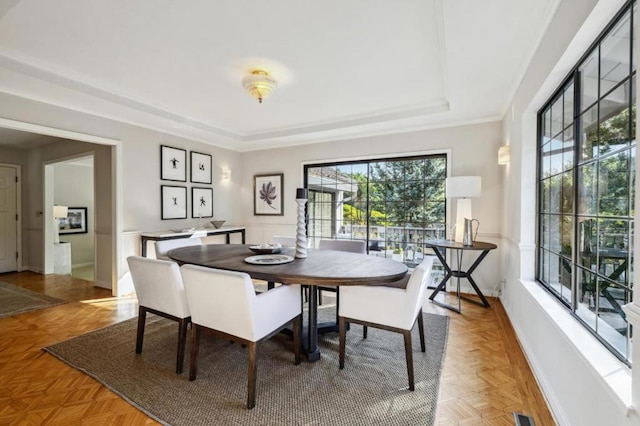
463, 211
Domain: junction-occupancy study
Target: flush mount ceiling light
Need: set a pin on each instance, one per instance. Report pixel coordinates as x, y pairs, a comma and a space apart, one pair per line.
259, 84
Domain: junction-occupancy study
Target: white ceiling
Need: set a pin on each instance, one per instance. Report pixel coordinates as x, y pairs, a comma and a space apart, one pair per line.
344, 68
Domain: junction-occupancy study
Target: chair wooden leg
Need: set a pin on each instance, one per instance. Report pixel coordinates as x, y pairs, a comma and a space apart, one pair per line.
195, 345
319, 297
182, 343
421, 330
142, 317
409, 355
251, 375
343, 335
297, 332
365, 329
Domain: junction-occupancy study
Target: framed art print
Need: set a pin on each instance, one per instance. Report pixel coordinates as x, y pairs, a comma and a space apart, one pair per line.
173, 164
174, 202
75, 222
201, 202
200, 167
267, 195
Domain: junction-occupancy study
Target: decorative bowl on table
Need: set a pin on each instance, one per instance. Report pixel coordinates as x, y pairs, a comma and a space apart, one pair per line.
266, 249
217, 223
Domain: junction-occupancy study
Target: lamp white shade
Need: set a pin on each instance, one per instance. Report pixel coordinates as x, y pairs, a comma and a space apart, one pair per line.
463, 186
60, 211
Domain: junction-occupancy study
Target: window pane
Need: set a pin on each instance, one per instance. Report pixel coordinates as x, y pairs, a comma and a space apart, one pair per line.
611, 318
587, 297
555, 194
546, 126
589, 137
613, 185
614, 120
556, 154
615, 54
589, 81
555, 232
587, 189
545, 159
557, 117
567, 192
568, 106
568, 149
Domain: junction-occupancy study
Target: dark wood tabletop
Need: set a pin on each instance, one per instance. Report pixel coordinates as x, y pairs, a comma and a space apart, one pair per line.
321, 267
448, 244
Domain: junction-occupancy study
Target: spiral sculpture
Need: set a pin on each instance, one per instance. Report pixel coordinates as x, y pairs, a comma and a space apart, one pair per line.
301, 230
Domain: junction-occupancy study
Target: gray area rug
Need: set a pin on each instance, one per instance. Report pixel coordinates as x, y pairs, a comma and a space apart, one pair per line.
372, 389
16, 300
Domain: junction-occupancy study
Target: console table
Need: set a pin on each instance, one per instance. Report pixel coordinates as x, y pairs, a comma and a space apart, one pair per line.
172, 235
440, 246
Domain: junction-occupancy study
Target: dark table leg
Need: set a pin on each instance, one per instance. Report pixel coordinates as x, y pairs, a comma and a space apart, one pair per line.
459, 274
313, 354
144, 246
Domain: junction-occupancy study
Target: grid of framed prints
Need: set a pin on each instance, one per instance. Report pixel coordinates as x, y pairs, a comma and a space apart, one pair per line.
173, 198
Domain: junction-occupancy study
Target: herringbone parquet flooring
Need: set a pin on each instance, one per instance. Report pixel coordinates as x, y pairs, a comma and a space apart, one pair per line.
485, 376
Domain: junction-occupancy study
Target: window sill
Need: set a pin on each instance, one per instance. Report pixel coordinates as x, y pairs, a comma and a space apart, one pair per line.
612, 372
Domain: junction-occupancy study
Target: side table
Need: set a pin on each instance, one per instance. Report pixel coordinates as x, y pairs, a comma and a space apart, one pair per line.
439, 246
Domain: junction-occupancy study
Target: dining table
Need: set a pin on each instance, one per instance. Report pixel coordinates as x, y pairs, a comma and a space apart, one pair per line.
324, 268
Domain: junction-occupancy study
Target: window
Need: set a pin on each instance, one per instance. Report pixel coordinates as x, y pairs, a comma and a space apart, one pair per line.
586, 179
392, 204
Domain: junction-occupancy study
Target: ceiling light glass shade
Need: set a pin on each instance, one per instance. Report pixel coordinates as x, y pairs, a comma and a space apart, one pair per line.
463, 186
259, 84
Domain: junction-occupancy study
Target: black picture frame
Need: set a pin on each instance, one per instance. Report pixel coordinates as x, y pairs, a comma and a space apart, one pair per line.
200, 167
268, 198
173, 202
173, 164
201, 202
75, 222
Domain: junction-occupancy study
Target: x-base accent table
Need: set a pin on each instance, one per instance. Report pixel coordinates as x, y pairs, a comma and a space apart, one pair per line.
439, 246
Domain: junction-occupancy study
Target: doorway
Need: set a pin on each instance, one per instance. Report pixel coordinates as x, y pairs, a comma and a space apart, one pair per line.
73, 187
9, 218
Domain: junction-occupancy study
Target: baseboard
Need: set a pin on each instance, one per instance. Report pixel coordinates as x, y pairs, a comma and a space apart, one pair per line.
82, 265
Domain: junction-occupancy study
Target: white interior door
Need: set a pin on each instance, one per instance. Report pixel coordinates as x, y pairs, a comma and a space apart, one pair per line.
8, 220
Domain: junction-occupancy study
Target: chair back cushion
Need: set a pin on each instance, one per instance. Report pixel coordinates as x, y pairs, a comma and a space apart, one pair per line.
284, 241
226, 301
163, 246
353, 246
390, 306
158, 285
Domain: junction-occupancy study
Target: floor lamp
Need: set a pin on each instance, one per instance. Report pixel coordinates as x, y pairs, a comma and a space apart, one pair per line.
58, 213
463, 188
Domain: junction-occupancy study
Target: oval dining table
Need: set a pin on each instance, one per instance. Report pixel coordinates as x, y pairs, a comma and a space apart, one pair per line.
325, 268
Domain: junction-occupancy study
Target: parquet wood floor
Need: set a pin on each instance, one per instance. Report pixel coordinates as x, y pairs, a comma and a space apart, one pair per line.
485, 376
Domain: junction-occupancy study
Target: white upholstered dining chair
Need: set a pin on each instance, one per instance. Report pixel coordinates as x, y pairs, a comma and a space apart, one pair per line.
158, 285
225, 304
388, 308
163, 246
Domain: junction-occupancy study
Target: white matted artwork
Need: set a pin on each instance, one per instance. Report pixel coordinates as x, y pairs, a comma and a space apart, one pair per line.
173, 164
200, 167
267, 195
174, 202
201, 202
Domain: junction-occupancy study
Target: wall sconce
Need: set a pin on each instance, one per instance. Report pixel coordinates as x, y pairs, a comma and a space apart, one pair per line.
503, 155
226, 174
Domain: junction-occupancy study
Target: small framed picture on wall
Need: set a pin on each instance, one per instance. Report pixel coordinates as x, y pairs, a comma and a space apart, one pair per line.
201, 202
200, 167
267, 195
173, 164
173, 202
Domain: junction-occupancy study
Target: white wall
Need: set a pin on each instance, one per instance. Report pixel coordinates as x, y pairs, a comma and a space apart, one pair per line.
73, 187
473, 151
584, 383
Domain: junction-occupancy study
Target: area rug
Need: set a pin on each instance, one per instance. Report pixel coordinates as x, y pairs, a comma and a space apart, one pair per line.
371, 389
16, 300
